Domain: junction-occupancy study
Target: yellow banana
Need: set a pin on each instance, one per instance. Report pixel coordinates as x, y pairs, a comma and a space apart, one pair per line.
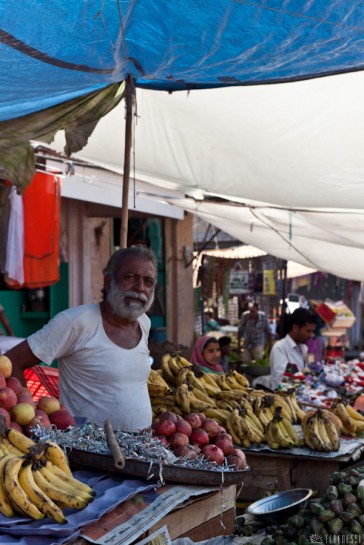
196, 403
221, 381
182, 398
76, 483
331, 431
217, 414
203, 397
209, 388
311, 434
38, 497
234, 384
55, 454
157, 390
280, 435
18, 498
183, 362
64, 485
233, 427
61, 498
182, 376
8, 448
281, 402
166, 372
349, 424
354, 414
243, 381
5, 505
290, 431
173, 365
328, 447
272, 443
300, 413
19, 440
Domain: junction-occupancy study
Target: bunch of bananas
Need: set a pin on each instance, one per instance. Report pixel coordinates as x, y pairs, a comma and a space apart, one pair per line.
280, 432
295, 410
157, 386
37, 482
320, 432
171, 364
244, 427
352, 420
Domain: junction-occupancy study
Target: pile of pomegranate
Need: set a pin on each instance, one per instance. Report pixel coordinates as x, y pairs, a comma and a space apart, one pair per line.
194, 434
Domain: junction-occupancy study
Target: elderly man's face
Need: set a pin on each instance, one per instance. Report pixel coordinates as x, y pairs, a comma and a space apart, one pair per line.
132, 292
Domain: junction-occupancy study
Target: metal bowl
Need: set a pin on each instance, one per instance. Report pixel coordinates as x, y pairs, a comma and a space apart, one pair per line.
279, 507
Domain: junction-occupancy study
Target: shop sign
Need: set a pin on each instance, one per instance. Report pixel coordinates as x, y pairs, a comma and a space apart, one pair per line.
269, 284
238, 282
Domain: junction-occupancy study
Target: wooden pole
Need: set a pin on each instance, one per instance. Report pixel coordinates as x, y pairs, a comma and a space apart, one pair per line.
129, 102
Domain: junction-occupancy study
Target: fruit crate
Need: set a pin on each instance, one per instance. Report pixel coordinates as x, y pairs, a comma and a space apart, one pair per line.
42, 381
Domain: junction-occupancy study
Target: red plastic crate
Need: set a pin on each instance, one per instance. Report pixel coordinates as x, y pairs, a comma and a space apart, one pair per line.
42, 381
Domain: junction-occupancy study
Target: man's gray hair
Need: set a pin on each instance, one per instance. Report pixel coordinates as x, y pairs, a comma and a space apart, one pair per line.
122, 255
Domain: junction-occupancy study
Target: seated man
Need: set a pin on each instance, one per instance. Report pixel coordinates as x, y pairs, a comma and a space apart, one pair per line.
292, 349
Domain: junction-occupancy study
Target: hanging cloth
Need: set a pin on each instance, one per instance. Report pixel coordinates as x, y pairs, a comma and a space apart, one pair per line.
42, 200
13, 269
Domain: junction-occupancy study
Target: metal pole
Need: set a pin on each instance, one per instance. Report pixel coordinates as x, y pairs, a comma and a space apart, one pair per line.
129, 102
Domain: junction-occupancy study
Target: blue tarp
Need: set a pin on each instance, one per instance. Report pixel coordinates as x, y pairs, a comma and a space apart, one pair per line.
53, 51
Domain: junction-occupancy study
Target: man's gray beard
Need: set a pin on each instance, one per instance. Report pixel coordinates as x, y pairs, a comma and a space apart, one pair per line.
131, 310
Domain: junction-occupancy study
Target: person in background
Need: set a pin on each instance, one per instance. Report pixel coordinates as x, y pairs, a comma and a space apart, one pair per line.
5, 322
292, 349
206, 355
254, 330
225, 348
102, 348
210, 323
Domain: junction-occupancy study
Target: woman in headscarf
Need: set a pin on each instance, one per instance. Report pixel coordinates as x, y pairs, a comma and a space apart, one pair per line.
206, 355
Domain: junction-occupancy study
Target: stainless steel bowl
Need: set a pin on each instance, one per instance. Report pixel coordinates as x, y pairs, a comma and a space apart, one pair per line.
279, 507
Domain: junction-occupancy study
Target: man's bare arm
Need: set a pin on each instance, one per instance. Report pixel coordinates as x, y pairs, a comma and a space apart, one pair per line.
22, 358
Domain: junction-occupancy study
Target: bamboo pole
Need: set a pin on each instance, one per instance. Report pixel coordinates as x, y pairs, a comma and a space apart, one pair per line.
129, 103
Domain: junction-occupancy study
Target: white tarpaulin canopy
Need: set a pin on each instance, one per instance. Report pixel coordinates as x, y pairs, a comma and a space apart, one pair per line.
289, 157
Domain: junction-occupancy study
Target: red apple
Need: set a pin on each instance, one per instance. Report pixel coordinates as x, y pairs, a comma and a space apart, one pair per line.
168, 415
202, 416
183, 426
48, 404
16, 426
194, 420
199, 437
14, 384
186, 451
62, 419
178, 439
38, 421
211, 426
225, 445
7, 398
6, 415
237, 459
163, 439
223, 435
213, 454
164, 427
25, 397
3, 381
22, 413
6, 367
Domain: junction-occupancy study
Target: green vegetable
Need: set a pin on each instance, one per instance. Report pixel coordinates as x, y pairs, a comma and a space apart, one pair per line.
297, 521
316, 508
344, 488
335, 526
336, 506
332, 493
346, 517
326, 515
354, 509
349, 498
356, 528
